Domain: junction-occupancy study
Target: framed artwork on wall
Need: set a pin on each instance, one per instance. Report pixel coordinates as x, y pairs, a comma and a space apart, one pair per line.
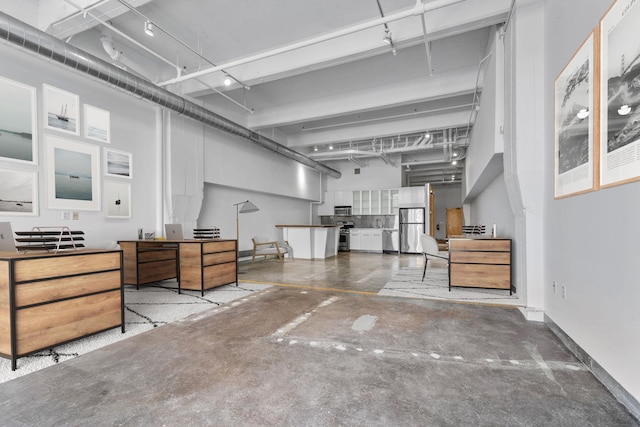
118, 164
97, 124
18, 123
61, 110
117, 198
73, 175
18, 192
575, 117
620, 94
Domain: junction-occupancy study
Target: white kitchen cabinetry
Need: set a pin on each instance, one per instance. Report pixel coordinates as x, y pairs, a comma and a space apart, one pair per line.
375, 202
343, 198
412, 197
366, 239
326, 208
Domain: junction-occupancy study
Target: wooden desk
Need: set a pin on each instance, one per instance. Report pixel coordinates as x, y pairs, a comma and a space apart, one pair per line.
480, 263
196, 264
47, 299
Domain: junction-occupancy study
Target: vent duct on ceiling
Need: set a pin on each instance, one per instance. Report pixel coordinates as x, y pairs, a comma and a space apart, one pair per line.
21, 35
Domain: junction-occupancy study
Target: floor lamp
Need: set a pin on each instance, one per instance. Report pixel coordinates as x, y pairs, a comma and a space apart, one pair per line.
242, 207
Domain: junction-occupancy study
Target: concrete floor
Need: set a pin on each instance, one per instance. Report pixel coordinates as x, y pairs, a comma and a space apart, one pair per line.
324, 351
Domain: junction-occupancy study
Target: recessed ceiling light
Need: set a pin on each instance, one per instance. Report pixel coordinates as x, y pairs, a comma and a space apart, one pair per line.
227, 81
148, 28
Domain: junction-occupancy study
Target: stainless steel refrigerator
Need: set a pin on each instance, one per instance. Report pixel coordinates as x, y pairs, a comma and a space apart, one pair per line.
411, 224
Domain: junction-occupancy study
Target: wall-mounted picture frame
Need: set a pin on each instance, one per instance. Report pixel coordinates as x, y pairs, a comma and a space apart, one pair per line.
575, 123
117, 199
620, 94
73, 175
61, 110
118, 164
97, 124
18, 122
18, 192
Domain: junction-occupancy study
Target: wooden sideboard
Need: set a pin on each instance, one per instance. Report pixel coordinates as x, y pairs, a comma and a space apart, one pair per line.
196, 264
480, 263
47, 299
206, 264
148, 261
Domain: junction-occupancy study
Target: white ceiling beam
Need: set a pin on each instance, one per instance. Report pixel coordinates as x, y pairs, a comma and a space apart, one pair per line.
380, 129
397, 94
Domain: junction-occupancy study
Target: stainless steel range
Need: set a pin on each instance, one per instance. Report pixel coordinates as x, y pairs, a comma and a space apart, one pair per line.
344, 242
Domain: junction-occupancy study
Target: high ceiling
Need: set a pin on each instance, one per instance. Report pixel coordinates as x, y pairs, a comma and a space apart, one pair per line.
309, 74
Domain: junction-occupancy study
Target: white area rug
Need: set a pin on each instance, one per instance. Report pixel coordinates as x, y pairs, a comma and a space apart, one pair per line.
407, 283
145, 309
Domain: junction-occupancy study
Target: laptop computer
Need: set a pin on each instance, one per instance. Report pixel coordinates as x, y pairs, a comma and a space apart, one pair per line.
7, 243
173, 231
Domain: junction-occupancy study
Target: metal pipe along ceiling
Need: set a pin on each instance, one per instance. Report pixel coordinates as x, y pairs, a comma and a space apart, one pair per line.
17, 33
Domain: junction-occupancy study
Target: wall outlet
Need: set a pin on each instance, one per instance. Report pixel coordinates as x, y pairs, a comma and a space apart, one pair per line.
75, 216
564, 292
65, 215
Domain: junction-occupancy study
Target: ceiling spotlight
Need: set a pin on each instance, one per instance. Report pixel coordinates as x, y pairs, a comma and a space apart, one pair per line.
330, 146
455, 154
315, 148
583, 114
148, 28
227, 81
455, 162
387, 37
624, 110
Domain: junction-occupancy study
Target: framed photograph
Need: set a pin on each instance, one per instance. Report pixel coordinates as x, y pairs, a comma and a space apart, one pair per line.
97, 124
18, 124
620, 94
61, 110
18, 193
574, 123
117, 198
73, 175
117, 164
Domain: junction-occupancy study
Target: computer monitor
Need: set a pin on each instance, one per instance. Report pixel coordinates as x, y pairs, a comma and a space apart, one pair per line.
7, 243
173, 231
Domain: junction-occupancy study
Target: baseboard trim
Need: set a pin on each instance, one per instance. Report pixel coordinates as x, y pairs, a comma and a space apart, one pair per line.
532, 314
623, 396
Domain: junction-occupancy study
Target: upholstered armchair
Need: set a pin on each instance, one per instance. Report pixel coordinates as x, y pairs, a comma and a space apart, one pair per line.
430, 250
264, 246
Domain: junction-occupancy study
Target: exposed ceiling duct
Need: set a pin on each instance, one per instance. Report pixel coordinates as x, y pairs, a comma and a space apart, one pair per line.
21, 35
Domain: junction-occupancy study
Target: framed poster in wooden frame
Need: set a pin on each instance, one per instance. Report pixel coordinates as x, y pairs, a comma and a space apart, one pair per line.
575, 122
620, 94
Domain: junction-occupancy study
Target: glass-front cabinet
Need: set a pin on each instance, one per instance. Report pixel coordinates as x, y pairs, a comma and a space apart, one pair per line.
375, 202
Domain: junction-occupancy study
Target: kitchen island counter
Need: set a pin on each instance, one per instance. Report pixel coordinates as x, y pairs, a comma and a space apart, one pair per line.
311, 241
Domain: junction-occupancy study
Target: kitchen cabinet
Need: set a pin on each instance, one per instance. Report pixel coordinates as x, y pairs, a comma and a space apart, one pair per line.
412, 197
366, 239
343, 198
375, 202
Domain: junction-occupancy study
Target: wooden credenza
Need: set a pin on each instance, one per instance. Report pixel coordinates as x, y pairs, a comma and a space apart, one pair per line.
480, 263
206, 264
148, 261
196, 264
47, 299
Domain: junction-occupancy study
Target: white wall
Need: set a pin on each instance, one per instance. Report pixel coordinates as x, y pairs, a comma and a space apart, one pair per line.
592, 241
377, 175
132, 130
484, 154
235, 162
492, 205
218, 211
